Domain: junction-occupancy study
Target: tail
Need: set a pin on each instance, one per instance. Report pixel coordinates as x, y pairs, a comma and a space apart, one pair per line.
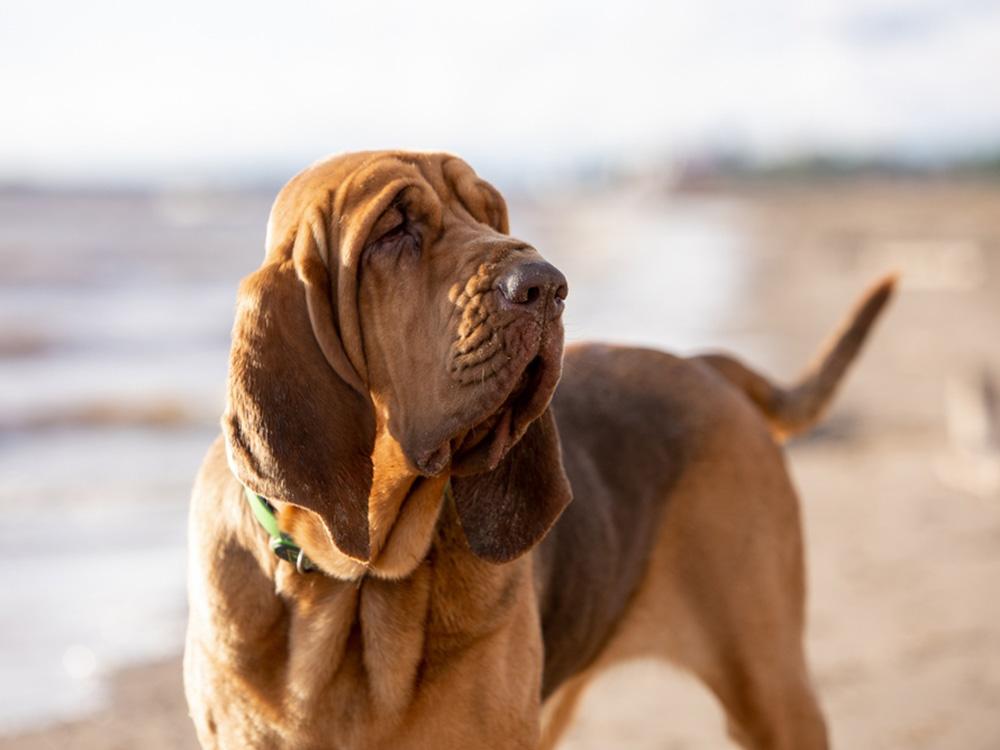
795, 409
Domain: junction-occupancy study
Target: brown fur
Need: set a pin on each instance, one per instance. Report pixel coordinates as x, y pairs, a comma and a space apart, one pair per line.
372, 361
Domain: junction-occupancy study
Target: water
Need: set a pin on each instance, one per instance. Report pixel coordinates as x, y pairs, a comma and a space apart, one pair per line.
115, 312
114, 324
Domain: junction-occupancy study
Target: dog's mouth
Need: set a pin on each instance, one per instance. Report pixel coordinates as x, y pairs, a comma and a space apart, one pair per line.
486, 443
482, 446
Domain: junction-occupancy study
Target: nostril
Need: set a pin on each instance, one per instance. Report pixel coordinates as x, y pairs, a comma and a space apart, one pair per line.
532, 296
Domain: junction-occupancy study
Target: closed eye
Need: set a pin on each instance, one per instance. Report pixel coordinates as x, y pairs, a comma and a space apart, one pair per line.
394, 232
402, 224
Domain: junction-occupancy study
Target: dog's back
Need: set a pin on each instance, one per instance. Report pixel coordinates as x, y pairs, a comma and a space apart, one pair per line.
633, 424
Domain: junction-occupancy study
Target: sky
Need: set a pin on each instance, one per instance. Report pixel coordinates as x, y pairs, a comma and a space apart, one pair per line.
193, 89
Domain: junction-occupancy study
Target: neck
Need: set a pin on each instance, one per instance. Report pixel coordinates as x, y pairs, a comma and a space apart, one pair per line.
390, 635
403, 510
348, 656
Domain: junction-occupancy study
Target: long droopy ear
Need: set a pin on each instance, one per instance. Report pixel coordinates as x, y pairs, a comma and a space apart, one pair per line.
299, 427
507, 511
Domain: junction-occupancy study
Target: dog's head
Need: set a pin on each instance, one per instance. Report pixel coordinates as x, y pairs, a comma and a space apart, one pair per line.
393, 306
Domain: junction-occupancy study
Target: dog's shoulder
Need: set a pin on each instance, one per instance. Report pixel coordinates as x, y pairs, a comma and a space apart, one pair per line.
651, 394
632, 423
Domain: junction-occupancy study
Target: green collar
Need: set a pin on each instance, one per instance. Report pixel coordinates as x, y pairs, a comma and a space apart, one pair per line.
281, 544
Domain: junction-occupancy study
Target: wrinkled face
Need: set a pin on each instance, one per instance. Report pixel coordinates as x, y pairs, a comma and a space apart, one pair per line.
461, 329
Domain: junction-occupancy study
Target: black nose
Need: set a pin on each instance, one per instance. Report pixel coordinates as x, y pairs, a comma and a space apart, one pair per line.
531, 283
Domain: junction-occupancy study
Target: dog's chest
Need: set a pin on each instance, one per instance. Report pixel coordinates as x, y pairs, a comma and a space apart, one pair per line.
365, 665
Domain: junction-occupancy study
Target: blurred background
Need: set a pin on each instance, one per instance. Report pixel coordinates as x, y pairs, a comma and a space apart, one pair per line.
707, 174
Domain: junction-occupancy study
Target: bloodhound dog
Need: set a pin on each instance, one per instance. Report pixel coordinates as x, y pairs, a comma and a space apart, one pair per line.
402, 418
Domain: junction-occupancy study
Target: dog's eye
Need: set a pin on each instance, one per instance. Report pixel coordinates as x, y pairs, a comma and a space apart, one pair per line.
394, 232
391, 221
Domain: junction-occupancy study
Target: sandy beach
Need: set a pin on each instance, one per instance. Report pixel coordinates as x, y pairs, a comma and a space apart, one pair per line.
900, 486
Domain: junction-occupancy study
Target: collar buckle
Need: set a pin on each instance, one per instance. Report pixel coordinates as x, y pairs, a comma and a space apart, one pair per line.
281, 544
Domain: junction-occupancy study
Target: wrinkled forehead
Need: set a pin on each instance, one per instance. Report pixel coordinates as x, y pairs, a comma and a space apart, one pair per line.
350, 192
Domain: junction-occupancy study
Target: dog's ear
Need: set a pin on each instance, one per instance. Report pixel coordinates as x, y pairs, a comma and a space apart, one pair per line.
299, 425
505, 512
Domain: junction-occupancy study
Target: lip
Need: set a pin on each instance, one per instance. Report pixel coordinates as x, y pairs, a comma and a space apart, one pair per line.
488, 439
505, 414
486, 442
484, 446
